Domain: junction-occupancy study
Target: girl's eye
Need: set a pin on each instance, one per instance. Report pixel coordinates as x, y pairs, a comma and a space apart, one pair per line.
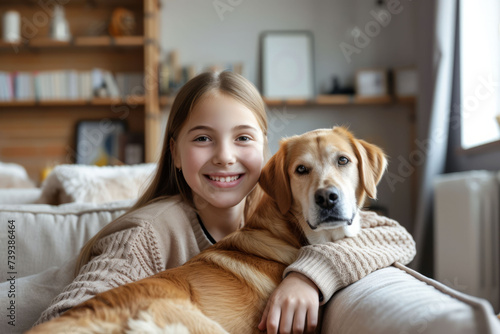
243, 138
202, 138
301, 169
343, 161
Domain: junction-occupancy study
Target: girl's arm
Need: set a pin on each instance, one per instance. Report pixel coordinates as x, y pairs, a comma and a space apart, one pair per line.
332, 266
321, 270
122, 257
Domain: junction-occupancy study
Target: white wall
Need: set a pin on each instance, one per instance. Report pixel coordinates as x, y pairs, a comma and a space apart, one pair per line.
195, 29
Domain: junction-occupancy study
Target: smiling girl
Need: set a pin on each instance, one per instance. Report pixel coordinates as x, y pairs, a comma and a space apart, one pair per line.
204, 187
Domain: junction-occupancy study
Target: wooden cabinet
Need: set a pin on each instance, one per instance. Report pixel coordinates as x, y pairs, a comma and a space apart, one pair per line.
40, 132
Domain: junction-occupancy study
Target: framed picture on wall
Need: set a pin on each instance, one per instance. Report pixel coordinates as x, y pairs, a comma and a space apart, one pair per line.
371, 83
287, 69
98, 141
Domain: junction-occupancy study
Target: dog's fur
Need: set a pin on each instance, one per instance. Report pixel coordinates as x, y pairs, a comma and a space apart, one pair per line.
226, 287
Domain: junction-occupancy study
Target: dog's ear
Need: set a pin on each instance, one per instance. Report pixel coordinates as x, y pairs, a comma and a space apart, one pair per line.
274, 180
371, 165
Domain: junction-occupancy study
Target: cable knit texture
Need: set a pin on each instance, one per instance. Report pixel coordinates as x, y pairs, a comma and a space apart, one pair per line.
162, 235
167, 234
333, 266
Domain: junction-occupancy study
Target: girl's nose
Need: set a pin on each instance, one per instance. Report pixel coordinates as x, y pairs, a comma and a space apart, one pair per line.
224, 155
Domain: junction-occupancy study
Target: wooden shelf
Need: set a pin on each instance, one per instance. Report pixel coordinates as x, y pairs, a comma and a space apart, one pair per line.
138, 100
273, 102
324, 100
77, 3
332, 100
22, 103
4, 44
128, 41
91, 41
372, 100
61, 102
46, 42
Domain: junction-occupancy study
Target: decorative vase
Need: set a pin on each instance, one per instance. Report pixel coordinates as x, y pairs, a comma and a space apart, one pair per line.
11, 26
59, 29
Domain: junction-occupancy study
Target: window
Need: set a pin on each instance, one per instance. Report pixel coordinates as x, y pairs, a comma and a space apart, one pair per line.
480, 71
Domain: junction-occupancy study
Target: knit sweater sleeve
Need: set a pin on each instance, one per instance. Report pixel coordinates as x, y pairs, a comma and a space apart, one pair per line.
334, 265
121, 257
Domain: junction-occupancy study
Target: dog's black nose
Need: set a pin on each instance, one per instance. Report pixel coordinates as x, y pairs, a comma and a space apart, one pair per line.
326, 198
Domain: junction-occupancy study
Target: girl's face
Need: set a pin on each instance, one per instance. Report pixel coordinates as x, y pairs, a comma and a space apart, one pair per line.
220, 151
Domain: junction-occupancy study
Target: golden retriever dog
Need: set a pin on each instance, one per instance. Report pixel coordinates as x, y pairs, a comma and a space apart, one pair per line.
314, 188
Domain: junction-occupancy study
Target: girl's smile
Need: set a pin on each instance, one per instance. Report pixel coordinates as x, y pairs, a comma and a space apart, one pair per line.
225, 180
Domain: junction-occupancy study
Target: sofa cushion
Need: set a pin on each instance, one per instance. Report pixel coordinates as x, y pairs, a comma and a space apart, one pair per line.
14, 176
19, 195
400, 300
93, 184
46, 236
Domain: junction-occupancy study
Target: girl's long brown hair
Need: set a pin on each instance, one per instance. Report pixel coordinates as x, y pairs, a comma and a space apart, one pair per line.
167, 182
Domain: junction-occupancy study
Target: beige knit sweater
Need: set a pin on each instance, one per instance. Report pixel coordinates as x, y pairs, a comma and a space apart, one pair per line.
167, 234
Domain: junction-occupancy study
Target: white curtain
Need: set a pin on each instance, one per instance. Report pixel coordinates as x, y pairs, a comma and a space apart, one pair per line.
437, 25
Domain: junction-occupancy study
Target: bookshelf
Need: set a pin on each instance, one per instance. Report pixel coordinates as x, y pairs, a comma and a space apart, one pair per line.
39, 132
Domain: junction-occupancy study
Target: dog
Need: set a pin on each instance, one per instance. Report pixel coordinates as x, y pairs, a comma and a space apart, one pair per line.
314, 187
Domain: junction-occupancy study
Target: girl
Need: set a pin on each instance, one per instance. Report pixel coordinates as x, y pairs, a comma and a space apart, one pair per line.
204, 187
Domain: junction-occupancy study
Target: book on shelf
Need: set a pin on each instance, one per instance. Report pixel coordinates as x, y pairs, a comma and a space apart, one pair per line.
130, 83
69, 85
6, 89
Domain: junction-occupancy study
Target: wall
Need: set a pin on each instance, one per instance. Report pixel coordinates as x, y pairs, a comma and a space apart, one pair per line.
202, 38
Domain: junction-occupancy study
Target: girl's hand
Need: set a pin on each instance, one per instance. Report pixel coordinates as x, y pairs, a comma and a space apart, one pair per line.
293, 307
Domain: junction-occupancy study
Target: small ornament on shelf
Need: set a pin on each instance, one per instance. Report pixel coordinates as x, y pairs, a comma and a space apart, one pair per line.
59, 28
122, 23
11, 27
337, 89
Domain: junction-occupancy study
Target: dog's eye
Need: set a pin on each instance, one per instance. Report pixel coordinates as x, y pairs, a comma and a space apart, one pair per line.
343, 161
301, 169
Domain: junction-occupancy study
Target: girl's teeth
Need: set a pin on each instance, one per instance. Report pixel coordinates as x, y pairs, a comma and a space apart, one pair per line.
224, 179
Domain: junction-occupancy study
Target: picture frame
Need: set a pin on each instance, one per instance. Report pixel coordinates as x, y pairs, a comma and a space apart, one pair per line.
132, 148
405, 82
287, 65
98, 141
371, 83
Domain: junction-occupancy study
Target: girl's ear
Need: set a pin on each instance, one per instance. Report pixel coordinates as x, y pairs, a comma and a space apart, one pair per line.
275, 182
174, 152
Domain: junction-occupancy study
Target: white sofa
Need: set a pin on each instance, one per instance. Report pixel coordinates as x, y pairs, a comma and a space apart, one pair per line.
48, 239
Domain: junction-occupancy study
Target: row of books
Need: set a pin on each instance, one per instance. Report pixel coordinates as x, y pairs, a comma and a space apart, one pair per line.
69, 85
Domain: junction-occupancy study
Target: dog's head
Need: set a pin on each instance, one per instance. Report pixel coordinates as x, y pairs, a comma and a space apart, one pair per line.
323, 177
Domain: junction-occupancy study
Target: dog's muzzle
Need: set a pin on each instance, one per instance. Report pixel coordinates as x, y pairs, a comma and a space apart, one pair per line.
329, 213
332, 222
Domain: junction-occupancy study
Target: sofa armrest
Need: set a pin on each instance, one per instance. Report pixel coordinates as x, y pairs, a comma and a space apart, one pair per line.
44, 236
399, 300
19, 195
